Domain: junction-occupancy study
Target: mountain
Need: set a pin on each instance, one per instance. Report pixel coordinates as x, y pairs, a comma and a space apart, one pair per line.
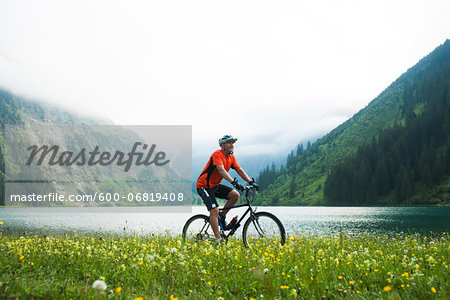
15, 110
72, 169
415, 105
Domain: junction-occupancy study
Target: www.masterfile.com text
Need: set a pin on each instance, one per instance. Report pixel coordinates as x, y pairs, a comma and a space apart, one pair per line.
100, 197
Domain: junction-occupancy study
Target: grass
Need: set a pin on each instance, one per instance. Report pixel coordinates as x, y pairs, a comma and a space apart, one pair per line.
164, 267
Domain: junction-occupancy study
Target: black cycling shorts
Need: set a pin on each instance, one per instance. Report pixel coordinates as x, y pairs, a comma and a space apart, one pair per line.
209, 195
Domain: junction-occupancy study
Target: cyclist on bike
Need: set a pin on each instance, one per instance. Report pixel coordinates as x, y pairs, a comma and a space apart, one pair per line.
209, 187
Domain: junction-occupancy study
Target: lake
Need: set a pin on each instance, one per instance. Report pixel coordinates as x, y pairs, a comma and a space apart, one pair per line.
317, 221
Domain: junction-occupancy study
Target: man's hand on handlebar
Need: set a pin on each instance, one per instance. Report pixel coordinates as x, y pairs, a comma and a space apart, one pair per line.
237, 185
253, 184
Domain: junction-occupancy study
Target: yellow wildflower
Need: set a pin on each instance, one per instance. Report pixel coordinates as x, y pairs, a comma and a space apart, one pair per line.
433, 290
387, 288
118, 289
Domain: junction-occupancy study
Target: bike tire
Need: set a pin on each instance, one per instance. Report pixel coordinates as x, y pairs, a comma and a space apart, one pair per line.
262, 228
197, 228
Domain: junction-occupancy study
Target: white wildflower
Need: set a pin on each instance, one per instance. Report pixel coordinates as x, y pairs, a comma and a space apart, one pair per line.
99, 285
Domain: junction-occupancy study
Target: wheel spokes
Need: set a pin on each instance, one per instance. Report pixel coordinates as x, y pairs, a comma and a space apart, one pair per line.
263, 228
198, 229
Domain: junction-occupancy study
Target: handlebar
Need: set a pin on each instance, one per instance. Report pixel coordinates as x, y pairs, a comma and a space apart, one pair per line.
247, 190
249, 187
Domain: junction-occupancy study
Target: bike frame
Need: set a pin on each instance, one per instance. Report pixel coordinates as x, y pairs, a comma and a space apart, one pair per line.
238, 223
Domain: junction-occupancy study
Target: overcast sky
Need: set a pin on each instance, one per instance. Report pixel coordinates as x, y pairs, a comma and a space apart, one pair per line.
272, 73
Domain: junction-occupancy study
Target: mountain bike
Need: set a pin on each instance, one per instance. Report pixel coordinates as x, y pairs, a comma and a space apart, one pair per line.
260, 227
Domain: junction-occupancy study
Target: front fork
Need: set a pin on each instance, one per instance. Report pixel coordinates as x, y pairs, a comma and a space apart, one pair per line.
254, 220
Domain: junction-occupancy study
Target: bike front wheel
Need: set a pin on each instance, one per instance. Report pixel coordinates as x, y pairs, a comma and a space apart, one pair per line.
197, 228
263, 228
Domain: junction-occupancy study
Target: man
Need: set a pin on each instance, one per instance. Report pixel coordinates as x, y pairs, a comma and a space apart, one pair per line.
209, 187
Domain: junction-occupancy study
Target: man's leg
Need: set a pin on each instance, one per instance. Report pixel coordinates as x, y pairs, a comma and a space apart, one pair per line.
214, 221
232, 198
211, 204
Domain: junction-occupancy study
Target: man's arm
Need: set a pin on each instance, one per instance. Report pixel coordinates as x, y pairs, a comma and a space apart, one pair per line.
243, 175
224, 173
227, 176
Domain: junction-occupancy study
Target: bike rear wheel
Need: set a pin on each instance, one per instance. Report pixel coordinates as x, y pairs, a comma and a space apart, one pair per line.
263, 228
197, 228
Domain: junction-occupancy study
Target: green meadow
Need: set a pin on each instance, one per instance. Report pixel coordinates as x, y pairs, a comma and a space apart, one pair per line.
398, 266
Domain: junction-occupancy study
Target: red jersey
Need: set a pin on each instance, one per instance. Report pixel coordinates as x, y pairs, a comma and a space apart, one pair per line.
210, 177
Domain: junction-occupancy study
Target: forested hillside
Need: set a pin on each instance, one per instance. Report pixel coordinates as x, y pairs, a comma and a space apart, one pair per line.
394, 151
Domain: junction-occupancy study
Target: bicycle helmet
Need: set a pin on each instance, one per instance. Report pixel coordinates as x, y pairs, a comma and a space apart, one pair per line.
227, 138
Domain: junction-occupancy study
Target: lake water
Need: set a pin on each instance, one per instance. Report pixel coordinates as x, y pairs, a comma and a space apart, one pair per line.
297, 220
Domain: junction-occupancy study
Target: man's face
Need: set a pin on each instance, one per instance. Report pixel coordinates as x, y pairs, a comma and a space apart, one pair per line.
228, 146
